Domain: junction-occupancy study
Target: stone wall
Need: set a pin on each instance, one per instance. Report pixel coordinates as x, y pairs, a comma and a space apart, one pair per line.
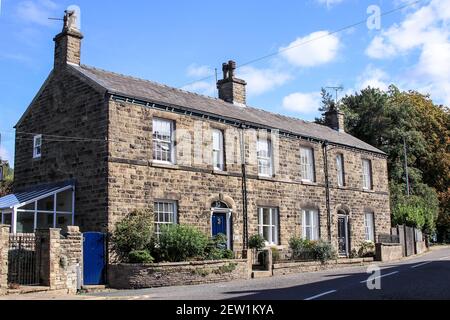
68, 107
388, 252
284, 268
421, 247
139, 276
4, 247
61, 259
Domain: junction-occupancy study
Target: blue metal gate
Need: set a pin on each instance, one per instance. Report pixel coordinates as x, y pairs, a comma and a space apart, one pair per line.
94, 261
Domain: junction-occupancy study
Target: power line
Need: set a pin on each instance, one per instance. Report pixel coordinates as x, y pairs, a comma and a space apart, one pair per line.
383, 14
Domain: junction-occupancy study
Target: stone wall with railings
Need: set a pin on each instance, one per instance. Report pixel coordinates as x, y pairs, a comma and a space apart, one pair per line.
4, 246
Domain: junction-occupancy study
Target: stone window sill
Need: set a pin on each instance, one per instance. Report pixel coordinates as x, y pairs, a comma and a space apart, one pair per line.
266, 178
165, 165
309, 183
221, 173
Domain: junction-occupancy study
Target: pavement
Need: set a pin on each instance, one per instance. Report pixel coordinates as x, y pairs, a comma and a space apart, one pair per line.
420, 277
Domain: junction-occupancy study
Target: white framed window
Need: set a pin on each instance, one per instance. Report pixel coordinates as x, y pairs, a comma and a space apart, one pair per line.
307, 164
310, 224
367, 174
218, 150
369, 224
340, 170
163, 144
165, 213
268, 224
264, 153
37, 146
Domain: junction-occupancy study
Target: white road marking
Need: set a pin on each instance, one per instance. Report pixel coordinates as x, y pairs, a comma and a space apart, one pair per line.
382, 276
443, 258
421, 264
321, 295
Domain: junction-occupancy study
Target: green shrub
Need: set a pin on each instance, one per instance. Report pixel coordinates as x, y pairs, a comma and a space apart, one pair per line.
324, 251
366, 250
256, 242
217, 248
132, 233
140, 256
181, 243
301, 249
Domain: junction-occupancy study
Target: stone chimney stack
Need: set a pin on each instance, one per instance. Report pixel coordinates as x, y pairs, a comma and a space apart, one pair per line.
335, 119
232, 89
68, 42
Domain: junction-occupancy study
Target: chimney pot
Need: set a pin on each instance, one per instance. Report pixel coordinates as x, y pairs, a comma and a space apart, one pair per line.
232, 89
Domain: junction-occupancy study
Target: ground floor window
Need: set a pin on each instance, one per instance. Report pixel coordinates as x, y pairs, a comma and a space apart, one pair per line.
369, 226
165, 214
268, 224
310, 224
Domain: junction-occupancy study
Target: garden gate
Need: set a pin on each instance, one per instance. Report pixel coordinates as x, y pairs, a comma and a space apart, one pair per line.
23, 260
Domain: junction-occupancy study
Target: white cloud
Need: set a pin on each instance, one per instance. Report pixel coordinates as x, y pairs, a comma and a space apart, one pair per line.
315, 49
197, 71
426, 31
374, 78
36, 12
260, 81
202, 87
329, 3
306, 103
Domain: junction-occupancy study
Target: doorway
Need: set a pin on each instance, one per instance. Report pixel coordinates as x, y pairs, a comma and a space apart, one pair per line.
343, 235
221, 221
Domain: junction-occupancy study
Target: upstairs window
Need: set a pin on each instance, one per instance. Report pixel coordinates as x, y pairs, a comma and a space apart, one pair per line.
218, 150
367, 174
264, 153
37, 146
163, 146
340, 170
310, 224
307, 164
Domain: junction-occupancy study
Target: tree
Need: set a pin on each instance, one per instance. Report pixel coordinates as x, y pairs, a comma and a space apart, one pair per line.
387, 119
8, 178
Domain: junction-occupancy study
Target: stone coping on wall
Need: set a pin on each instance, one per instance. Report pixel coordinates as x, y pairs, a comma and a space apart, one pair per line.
289, 267
140, 276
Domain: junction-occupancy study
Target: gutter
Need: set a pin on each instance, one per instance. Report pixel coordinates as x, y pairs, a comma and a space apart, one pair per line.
327, 187
244, 189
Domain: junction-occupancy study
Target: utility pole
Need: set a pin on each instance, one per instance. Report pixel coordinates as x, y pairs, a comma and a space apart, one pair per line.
406, 167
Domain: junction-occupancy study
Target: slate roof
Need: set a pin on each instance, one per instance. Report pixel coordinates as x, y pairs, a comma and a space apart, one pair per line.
153, 92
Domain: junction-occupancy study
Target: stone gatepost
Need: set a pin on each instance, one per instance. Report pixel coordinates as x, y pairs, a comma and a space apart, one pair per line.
61, 259
4, 248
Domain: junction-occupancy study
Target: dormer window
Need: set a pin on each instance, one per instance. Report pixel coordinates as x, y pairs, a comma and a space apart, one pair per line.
37, 146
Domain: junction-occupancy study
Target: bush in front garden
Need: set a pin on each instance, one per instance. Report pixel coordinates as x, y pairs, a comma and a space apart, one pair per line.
181, 243
134, 232
312, 250
140, 256
324, 251
256, 242
217, 248
367, 250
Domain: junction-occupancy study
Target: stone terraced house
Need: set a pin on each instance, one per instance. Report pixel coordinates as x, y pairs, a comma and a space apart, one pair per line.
94, 145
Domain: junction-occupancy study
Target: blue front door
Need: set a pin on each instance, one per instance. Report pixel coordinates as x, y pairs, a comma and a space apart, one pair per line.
94, 258
219, 224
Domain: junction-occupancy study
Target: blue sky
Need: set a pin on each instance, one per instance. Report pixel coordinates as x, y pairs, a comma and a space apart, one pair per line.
179, 42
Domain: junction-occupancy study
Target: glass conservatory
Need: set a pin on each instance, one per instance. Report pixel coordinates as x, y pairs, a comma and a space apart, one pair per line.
43, 207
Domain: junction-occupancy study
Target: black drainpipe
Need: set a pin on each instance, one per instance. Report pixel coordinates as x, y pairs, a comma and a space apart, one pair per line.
327, 187
244, 189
